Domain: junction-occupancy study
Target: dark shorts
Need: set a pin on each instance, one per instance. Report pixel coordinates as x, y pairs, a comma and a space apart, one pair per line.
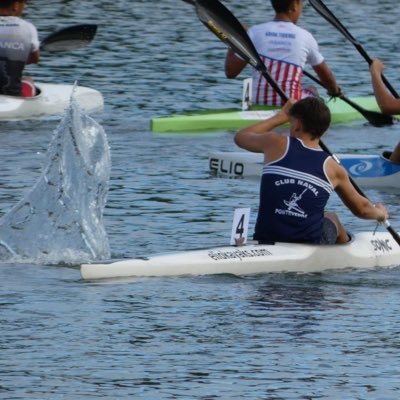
329, 232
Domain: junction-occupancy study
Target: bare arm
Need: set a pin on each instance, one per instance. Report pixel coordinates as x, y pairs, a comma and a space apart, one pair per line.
233, 64
328, 79
34, 57
357, 204
260, 138
386, 102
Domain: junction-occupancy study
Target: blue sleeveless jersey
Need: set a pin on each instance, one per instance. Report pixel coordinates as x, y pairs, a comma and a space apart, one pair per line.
294, 192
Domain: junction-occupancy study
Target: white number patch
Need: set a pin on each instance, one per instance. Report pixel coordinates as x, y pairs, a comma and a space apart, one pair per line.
240, 226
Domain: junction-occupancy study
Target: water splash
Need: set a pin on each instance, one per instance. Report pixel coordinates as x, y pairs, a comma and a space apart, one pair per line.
61, 219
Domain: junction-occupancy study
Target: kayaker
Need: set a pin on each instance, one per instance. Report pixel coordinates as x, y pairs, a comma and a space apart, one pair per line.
298, 178
19, 46
386, 102
285, 48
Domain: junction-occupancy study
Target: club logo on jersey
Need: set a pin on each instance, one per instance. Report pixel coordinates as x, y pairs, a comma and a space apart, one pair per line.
292, 207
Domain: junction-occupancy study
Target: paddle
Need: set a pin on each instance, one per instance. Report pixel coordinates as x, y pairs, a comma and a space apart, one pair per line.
324, 11
69, 38
373, 117
216, 17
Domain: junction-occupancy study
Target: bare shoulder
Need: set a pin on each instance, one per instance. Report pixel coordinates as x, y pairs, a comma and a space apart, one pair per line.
337, 174
274, 141
277, 138
255, 141
275, 147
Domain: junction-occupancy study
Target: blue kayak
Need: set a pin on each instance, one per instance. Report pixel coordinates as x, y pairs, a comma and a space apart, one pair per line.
374, 171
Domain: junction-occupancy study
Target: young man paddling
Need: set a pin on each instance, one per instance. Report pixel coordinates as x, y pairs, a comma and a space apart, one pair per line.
285, 48
386, 102
298, 178
19, 45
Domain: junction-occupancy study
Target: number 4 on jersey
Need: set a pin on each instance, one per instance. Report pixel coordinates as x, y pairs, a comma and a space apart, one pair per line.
240, 226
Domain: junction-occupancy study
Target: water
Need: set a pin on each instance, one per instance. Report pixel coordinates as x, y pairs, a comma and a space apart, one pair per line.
279, 336
61, 219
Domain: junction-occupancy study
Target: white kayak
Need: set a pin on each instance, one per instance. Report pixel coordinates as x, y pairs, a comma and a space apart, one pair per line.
365, 250
374, 171
53, 99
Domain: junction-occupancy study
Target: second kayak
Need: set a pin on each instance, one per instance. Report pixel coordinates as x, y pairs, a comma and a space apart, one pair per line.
52, 99
234, 119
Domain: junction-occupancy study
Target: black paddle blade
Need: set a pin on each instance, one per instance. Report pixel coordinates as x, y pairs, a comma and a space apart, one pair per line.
378, 119
373, 117
69, 38
220, 21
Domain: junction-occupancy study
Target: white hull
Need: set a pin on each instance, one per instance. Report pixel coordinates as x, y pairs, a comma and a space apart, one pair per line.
52, 100
367, 170
366, 250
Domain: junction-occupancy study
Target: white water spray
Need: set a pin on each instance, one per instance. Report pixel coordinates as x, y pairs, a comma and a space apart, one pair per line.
61, 219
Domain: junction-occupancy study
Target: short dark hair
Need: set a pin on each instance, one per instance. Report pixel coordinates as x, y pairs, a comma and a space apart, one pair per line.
281, 5
314, 114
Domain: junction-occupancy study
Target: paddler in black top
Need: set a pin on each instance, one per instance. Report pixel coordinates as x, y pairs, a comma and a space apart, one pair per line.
386, 102
19, 45
298, 177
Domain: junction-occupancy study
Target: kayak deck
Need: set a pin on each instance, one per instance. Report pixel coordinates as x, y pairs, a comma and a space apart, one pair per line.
365, 250
233, 119
52, 100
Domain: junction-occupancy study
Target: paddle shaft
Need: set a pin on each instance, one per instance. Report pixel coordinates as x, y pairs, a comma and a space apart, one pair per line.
217, 18
342, 97
326, 13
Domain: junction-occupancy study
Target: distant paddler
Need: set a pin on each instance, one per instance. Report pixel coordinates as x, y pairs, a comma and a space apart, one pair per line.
386, 101
285, 49
299, 177
19, 46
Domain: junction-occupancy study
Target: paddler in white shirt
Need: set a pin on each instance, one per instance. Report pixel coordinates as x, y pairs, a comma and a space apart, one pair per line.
19, 46
285, 49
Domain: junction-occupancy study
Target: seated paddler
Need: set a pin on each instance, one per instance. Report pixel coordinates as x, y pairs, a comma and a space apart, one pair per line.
299, 177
